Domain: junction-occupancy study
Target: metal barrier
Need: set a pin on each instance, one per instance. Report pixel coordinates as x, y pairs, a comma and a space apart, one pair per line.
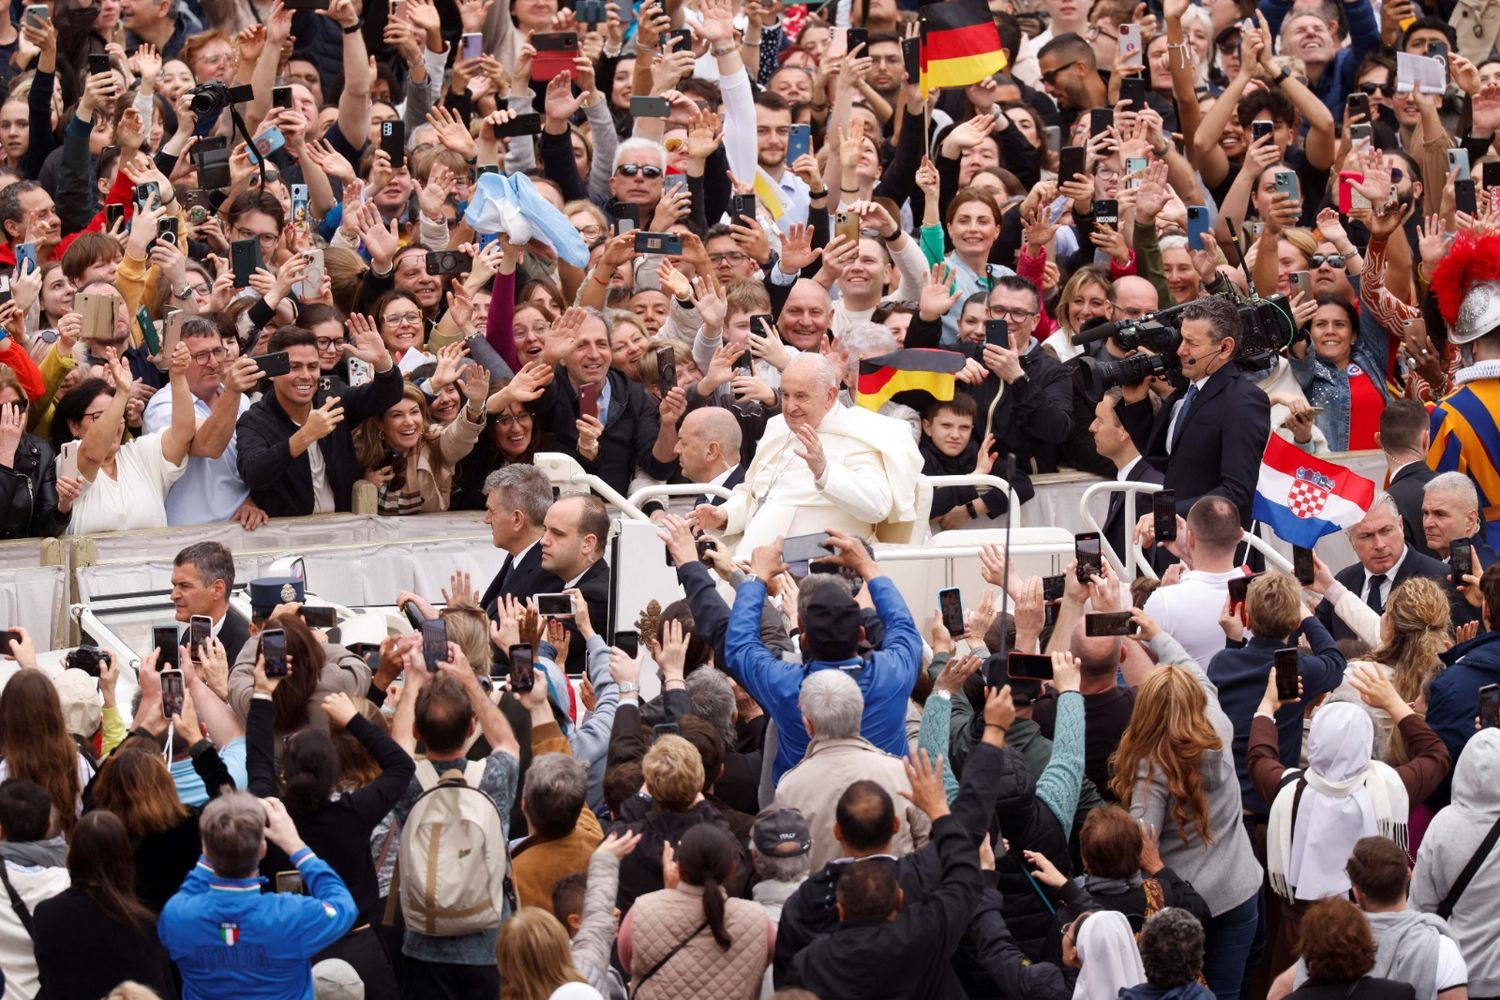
678, 490
1138, 560
982, 480
564, 470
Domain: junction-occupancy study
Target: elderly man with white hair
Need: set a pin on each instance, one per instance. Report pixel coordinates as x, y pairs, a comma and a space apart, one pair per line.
820, 465
1450, 511
838, 756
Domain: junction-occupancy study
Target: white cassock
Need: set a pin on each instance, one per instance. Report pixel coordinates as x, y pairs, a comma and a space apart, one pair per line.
872, 473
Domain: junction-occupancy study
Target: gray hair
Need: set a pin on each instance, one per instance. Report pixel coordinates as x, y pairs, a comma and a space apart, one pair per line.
233, 829
1382, 499
524, 488
827, 376
814, 582
1454, 484
212, 560
643, 146
713, 701
200, 326
770, 868
1171, 946
554, 793
1173, 242
866, 340
833, 703
604, 316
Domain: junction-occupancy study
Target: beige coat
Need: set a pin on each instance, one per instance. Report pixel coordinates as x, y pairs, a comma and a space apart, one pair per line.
661, 919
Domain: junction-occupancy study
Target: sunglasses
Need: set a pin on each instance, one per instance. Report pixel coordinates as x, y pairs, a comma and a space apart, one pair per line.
1052, 75
1317, 260
631, 169
1371, 89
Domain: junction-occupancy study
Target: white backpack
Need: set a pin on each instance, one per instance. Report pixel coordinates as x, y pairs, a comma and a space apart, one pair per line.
453, 859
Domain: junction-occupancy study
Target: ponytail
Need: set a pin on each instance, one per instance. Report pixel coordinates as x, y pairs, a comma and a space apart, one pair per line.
706, 857
713, 912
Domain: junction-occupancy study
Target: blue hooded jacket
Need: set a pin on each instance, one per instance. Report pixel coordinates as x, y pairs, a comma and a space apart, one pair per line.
1453, 701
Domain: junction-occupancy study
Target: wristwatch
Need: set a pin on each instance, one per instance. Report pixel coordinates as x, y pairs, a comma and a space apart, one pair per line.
358, 24
974, 514
1280, 78
626, 687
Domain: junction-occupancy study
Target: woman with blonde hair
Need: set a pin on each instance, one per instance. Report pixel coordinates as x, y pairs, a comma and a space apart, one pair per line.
535, 960
1087, 295
1174, 770
409, 458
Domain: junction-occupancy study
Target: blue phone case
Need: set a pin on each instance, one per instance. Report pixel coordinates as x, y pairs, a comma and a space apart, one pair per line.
799, 143
270, 140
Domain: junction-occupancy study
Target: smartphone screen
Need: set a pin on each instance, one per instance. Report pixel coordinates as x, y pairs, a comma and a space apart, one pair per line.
1052, 587
273, 650
200, 630
1109, 623
164, 638
1460, 559
318, 617
173, 692
1489, 706
290, 882
1286, 673
1302, 564
554, 605
952, 604
628, 641
1029, 666
803, 548
434, 643
1164, 515
1086, 550
522, 670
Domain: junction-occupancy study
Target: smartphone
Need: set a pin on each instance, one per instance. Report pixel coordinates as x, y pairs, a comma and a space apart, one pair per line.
555, 52
1101, 120
393, 141
1357, 106
266, 143
666, 368
1460, 560
1490, 171
37, 14
1086, 551
281, 97
173, 692
741, 205
1052, 136
1109, 623
1133, 88
7, 637
67, 460
1286, 673
273, 365
244, 257
471, 45
911, 61
98, 312
114, 214
1071, 161
798, 143
649, 107
627, 217
166, 230
1239, 586
299, 201
665, 729
98, 63
554, 605
1489, 706
145, 193
590, 12
1164, 515
1197, 225
1106, 211
1302, 282
628, 641
1260, 129
1465, 198
1029, 667
846, 224
164, 638
1438, 50
1132, 52
200, 630
1458, 157
520, 125
25, 253
321, 616
1350, 199
951, 603
997, 332
522, 669
1286, 182
434, 643
706, 544
588, 400
1052, 587
676, 40
804, 548
290, 882
445, 262
1361, 132
312, 278
1302, 564
273, 651
658, 243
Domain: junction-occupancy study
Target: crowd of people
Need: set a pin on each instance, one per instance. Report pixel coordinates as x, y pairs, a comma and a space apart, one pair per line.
256, 253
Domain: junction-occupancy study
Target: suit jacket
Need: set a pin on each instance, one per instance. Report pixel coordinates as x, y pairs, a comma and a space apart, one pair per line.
1115, 528
1219, 450
519, 580
1353, 578
594, 586
234, 633
735, 477
1406, 489
630, 429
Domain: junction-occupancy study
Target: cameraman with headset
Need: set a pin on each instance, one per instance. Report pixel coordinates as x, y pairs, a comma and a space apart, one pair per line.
1209, 434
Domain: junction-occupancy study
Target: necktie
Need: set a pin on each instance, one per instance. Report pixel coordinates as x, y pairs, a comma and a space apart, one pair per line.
1373, 598
1182, 415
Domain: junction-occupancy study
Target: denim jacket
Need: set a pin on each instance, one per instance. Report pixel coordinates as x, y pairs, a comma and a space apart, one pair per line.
1328, 387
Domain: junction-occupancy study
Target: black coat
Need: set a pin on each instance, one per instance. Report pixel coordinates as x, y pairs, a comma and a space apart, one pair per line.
1028, 825
594, 586
1115, 528
1353, 578
1366, 988
1219, 451
1035, 414
1406, 489
282, 485
113, 951
234, 633
911, 955
519, 580
28, 492
945, 498
630, 428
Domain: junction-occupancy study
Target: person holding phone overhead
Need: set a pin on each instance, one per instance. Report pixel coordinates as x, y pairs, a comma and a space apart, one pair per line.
296, 447
125, 483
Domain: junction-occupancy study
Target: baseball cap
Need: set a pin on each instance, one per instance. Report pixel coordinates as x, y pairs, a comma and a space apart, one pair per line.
335, 979
831, 624
781, 831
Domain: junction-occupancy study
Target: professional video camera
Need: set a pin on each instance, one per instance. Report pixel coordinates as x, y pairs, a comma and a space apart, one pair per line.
1266, 328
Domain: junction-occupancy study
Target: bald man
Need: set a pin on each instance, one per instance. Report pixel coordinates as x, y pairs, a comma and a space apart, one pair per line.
708, 450
1135, 297
820, 465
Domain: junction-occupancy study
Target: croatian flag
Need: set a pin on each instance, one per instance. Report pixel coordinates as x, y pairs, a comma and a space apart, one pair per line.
1304, 498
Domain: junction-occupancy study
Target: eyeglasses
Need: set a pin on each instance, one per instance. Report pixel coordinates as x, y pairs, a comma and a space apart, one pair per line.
91, 416
524, 417
1317, 260
648, 171
1228, 46
1012, 315
1371, 89
404, 319
326, 344
1050, 76
266, 239
272, 176
729, 257
214, 354
591, 232
199, 289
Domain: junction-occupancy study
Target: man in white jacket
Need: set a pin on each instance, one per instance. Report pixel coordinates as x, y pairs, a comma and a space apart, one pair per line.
36, 868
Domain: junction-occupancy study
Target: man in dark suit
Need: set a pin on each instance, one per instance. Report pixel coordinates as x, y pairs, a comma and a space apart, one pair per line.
202, 577
707, 451
1403, 437
1207, 438
574, 534
1113, 442
1385, 561
516, 501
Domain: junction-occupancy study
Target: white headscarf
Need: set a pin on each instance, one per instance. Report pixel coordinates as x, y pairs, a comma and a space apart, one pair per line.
1111, 961
1348, 796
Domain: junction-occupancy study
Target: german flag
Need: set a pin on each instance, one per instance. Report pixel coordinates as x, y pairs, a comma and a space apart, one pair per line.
911, 369
960, 44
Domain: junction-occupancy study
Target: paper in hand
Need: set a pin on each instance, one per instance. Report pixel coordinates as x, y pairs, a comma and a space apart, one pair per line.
1425, 74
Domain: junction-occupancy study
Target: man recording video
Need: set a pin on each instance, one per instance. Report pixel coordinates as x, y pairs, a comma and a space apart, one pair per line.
1209, 435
